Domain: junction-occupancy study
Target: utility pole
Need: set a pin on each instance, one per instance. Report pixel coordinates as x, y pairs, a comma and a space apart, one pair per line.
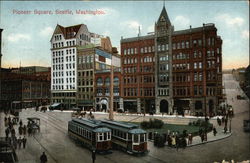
111, 113
0, 67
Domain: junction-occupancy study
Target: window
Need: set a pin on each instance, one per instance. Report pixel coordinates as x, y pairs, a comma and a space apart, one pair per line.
200, 65
178, 45
107, 81
125, 51
135, 50
162, 47
99, 81
195, 65
159, 47
183, 45
167, 47
187, 44
174, 46
142, 50
136, 138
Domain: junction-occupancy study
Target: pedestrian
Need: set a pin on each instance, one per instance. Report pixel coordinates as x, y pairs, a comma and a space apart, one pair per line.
24, 129
5, 121
13, 132
29, 131
93, 156
43, 158
173, 141
190, 138
225, 129
15, 142
200, 131
24, 142
19, 141
20, 129
21, 123
7, 132
177, 141
202, 137
9, 119
214, 131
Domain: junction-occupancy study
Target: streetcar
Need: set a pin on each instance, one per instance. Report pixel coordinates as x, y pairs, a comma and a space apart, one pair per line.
91, 134
127, 137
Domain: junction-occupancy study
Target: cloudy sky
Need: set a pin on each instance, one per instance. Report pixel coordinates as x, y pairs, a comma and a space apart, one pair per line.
26, 36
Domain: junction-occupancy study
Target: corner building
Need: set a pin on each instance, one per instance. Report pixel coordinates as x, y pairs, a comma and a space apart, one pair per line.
173, 71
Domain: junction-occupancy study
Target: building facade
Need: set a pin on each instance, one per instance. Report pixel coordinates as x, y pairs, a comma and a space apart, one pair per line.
20, 90
76, 56
103, 87
172, 71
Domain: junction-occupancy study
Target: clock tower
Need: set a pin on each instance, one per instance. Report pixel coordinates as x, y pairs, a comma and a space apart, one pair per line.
163, 64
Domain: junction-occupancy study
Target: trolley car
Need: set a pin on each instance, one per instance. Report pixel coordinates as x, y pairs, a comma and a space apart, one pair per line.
90, 133
128, 137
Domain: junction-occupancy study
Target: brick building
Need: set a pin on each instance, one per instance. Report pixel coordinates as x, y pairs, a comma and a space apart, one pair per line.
102, 90
172, 71
21, 90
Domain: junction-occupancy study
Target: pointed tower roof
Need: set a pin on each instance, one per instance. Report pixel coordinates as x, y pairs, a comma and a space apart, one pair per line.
164, 16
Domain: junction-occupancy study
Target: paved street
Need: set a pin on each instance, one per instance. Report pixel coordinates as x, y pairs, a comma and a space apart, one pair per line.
54, 141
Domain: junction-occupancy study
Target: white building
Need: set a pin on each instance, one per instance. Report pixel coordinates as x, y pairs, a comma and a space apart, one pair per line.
64, 44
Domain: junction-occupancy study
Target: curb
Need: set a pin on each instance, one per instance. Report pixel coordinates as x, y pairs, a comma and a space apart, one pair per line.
228, 135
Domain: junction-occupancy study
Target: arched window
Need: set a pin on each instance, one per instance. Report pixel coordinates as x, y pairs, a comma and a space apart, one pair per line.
107, 81
116, 80
99, 81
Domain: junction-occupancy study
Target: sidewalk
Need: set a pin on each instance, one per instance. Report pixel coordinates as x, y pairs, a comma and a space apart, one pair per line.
210, 137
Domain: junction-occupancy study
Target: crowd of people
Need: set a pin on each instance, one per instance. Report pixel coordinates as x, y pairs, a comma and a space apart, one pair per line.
19, 140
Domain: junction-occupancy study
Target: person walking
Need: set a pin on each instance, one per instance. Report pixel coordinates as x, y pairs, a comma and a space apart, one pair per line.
19, 141
20, 129
24, 142
7, 132
214, 131
43, 158
29, 131
177, 141
15, 142
24, 129
13, 132
173, 141
93, 156
202, 137
21, 123
190, 138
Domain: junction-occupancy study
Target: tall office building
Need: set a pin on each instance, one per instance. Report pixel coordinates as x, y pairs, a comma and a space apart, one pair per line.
173, 71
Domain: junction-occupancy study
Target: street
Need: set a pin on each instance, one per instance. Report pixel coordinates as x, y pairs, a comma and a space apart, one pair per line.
53, 139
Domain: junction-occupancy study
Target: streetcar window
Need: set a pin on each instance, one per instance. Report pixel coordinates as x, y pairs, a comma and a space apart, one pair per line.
109, 135
136, 138
129, 136
124, 135
101, 136
105, 136
141, 137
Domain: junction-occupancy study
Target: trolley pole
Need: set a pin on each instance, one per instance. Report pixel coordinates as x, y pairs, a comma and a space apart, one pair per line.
111, 114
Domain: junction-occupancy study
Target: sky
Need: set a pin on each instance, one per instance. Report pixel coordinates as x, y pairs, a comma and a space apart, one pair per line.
26, 37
